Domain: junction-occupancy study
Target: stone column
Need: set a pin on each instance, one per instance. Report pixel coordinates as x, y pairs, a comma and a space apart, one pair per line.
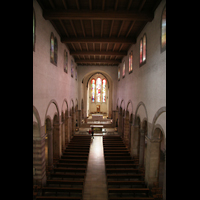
50, 148
164, 180
141, 148
152, 161
126, 129
120, 123
56, 141
134, 141
39, 165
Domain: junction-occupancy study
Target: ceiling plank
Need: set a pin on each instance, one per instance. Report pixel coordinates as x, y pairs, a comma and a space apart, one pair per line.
116, 4
99, 53
90, 2
64, 27
73, 27
103, 4
129, 4
82, 27
101, 28
77, 4
130, 28
128, 40
64, 3
111, 28
97, 15
118, 61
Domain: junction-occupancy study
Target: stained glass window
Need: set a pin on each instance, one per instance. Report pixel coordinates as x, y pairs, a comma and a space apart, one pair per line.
55, 50
93, 84
65, 61
52, 48
118, 73
123, 70
104, 90
131, 61
144, 48
163, 30
98, 90
33, 30
140, 51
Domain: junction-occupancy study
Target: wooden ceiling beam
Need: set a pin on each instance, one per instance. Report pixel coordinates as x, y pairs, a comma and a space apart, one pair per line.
118, 61
98, 53
128, 40
97, 15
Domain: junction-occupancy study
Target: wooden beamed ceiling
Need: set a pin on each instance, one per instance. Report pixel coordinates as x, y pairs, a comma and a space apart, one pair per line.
98, 32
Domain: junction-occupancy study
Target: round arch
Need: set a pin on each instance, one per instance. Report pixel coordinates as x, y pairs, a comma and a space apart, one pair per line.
156, 116
56, 104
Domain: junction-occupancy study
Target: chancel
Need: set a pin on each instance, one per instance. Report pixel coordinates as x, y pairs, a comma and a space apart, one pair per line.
99, 65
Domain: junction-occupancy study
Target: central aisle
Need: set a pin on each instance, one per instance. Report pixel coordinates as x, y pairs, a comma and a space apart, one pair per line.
95, 182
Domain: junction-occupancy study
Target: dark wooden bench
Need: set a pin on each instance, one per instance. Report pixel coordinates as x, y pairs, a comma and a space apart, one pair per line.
62, 189
68, 175
76, 150
76, 153
119, 157
131, 183
69, 170
124, 171
115, 148
130, 161
121, 165
58, 198
116, 151
69, 165
66, 182
125, 176
129, 190
73, 161
73, 157
117, 154
131, 198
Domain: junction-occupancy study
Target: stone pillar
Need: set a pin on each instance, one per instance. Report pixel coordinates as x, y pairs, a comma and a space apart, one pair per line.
164, 180
152, 161
134, 141
126, 129
79, 117
56, 142
50, 148
141, 148
39, 163
120, 124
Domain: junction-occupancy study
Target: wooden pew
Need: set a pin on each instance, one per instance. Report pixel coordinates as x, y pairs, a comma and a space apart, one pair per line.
65, 182
121, 165
117, 154
76, 153
129, 161
69, 165
69, 170
73, 160
125, 176
121, 171
129, 190
131, 198
73, 157
79, 176
62, 189
119, 157
122, 183
58, 198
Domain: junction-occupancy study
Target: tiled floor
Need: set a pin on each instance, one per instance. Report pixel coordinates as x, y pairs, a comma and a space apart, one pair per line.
95, 182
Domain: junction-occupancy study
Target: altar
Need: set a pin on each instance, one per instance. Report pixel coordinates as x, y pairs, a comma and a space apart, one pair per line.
97, 117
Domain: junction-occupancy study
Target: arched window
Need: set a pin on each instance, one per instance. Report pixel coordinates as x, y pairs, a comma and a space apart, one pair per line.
52, 48
131, 62
104, 90
55, 50
34, 25
163, 30
118, 73
123, 69
98, 90
143, 50
93, 84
